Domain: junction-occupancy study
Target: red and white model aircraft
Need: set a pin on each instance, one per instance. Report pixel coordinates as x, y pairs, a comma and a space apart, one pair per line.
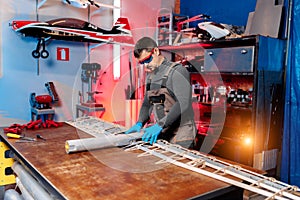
86, 3
70, 29
82, 4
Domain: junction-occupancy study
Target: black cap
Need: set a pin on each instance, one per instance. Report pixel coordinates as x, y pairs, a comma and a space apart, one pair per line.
146, 43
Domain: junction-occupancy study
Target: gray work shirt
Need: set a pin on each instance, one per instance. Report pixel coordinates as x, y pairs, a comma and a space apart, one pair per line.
178, 84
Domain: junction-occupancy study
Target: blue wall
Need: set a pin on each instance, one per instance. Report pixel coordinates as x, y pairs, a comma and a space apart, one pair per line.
233, 12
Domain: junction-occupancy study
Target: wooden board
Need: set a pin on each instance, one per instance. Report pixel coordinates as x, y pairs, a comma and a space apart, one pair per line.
107, 173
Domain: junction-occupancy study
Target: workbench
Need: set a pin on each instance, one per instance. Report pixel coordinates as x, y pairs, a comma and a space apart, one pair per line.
109, 173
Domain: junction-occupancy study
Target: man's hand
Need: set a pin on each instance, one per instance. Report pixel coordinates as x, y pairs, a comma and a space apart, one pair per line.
135, 128
151, 133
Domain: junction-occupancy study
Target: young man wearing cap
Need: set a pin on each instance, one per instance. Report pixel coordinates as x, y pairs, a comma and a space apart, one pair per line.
167, 97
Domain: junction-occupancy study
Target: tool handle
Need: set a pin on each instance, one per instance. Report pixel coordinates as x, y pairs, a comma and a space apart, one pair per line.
12, 135
40, 137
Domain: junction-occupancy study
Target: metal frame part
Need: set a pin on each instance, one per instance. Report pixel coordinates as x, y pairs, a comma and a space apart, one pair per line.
95, 126
223, 171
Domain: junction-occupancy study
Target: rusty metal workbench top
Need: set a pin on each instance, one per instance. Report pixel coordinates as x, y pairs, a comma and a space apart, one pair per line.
107, 173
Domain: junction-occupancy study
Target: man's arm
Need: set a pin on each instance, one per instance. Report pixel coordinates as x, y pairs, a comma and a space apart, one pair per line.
145, 110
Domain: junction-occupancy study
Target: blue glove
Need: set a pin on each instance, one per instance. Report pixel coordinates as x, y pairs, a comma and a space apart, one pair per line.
135, 128
151, 133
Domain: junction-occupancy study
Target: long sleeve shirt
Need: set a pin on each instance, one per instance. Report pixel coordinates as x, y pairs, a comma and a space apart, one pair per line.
178, 84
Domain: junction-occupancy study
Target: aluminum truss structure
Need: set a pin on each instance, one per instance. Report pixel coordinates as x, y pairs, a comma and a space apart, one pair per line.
217, 169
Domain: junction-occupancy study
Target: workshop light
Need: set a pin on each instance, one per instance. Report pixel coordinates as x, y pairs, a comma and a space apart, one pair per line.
247, 141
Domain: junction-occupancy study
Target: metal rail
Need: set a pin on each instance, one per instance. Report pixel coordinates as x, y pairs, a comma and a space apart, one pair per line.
217, 169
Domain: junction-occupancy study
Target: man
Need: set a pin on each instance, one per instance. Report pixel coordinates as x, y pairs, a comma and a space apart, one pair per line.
167, 97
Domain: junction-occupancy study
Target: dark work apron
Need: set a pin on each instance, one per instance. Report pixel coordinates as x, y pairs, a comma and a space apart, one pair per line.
182, 133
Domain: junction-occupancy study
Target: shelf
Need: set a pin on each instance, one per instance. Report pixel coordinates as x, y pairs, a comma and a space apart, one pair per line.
228, 106
163, 24
233, 42
168, 21
228, 73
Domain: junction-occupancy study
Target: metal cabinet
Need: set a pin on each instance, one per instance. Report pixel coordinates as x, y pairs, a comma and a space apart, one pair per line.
245, 123
230, 59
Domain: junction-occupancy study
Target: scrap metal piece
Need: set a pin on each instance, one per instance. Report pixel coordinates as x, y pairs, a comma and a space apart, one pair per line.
266, 19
